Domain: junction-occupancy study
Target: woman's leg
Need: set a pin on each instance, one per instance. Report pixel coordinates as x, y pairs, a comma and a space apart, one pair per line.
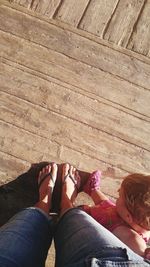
70, 185
25, 239
78, 237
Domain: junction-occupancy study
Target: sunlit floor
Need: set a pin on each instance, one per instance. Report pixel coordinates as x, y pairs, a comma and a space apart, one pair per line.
75, 87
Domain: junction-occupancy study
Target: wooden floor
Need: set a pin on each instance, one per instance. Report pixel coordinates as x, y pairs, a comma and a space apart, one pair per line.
75, 86
122, 22
72, 89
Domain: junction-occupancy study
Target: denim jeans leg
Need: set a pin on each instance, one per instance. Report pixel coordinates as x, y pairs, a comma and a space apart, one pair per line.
78, 235
25, 239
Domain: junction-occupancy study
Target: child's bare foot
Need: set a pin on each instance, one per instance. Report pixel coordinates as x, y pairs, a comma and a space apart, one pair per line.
46, 181
70, 186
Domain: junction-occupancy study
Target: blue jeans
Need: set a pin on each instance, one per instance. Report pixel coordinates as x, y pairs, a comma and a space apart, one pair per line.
79, 241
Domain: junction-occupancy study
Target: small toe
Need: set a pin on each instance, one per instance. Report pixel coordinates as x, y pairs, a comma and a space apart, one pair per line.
54, 171
65, 172
43, 173
71, 170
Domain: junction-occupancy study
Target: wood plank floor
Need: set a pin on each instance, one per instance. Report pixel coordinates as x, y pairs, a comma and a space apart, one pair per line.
122, 22
80, 97
57, 74
75, 86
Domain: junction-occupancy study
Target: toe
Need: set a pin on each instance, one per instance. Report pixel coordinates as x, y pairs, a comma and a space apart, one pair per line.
54, 171
78, 179
71, 170
65, 172
43, 172
39, 177
48, 168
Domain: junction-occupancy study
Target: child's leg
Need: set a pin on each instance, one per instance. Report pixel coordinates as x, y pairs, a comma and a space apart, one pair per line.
98, 196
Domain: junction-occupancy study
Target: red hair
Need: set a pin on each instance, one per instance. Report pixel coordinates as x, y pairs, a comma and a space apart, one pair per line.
136, 188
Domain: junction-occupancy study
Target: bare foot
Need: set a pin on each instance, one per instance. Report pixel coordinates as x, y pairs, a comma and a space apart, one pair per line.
70, 185
46, 180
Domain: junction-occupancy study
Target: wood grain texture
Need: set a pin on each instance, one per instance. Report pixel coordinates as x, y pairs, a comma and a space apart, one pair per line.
71, 11
74, 88
140, 39
44, 7
97, 16
75, 105
75, 46
73, 134
24, 3
122, 22
27, 146
11, 167
74, 72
